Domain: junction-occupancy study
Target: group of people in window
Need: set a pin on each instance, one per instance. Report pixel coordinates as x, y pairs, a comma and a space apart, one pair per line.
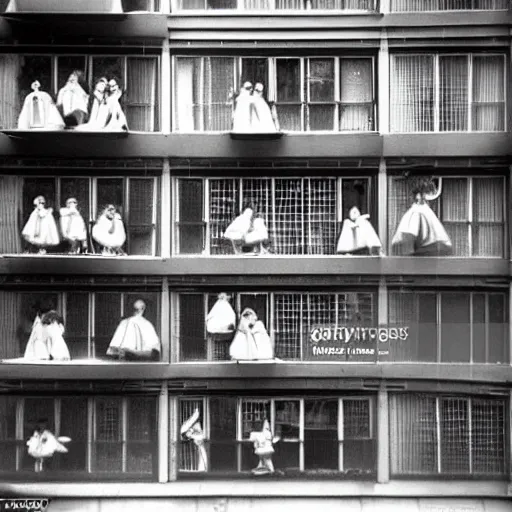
134, 339
419, 232
75, 108
41, 232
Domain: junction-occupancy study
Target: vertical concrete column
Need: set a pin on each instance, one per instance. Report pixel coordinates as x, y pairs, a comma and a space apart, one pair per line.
382, 205
165, 112
163, 434
383, 84
166, 211
382, 436
173, 438
165, 310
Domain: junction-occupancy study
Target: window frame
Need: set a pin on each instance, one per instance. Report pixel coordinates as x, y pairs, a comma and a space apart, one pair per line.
470, 221
270, 314
272, 93
95, 209
91, 428
242, 442
414, 294
436, 90
206, 243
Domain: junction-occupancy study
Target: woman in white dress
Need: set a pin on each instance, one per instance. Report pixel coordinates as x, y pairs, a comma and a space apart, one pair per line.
262, 120
135, 337
243, 110
41, 228
39, 111
239, 228
43, 445
98, 108
358, 235
191, 430
72, 100
420, 232
109, 231
257, 235
73, 226
46, 340
263, 442
251, 341
117, 120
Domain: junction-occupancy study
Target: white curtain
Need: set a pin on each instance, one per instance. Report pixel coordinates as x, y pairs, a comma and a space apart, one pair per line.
184, 94
10, 206
192, 4
257, 5
455, 214
488, 93
356, 109
488, 217
141, 94
412, 93
290, 4
447, 5
453, 94
10, 317
10, 106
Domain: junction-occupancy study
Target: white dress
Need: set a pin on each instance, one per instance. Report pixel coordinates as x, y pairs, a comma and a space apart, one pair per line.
47, 342
103, 234
420, 232
39, 112
43, 445
98, 116
239, 228
243, 112
72, 225
41, 229
221, 319
251, 343
117, 120
357, 235
71, 98
136, 334
258, 232
261, 118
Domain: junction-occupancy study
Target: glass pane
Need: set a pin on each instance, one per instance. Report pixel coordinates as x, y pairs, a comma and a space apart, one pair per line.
107, 315
108, 67
77, 324
455, 328
140, 5
321, 80
412, 93
498, 329
110, 191
79, 189
218, 81
254, 413
453, 94
455, 214
152, 300
224, 207
287, 421
288, 80
223, 449
290, 117
141, 192
191, 335
427, 329
321, 117
321, 434
69, 64
8, 433
74, 425
141, 93
254, 71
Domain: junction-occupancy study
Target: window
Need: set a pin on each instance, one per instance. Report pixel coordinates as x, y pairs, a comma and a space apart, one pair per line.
134, 198
271, 5
447, 435
471, 209
141, 5
447, 5
288, 318
316, 435
309, 94
448, 93
110, 436
303, 215
450, 327
90, 318
138, 77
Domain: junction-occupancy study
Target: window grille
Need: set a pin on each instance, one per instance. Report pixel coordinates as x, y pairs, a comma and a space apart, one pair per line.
292, 317
109, 435
447, 93
447, 435
303, 215
447, 5
188, 453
